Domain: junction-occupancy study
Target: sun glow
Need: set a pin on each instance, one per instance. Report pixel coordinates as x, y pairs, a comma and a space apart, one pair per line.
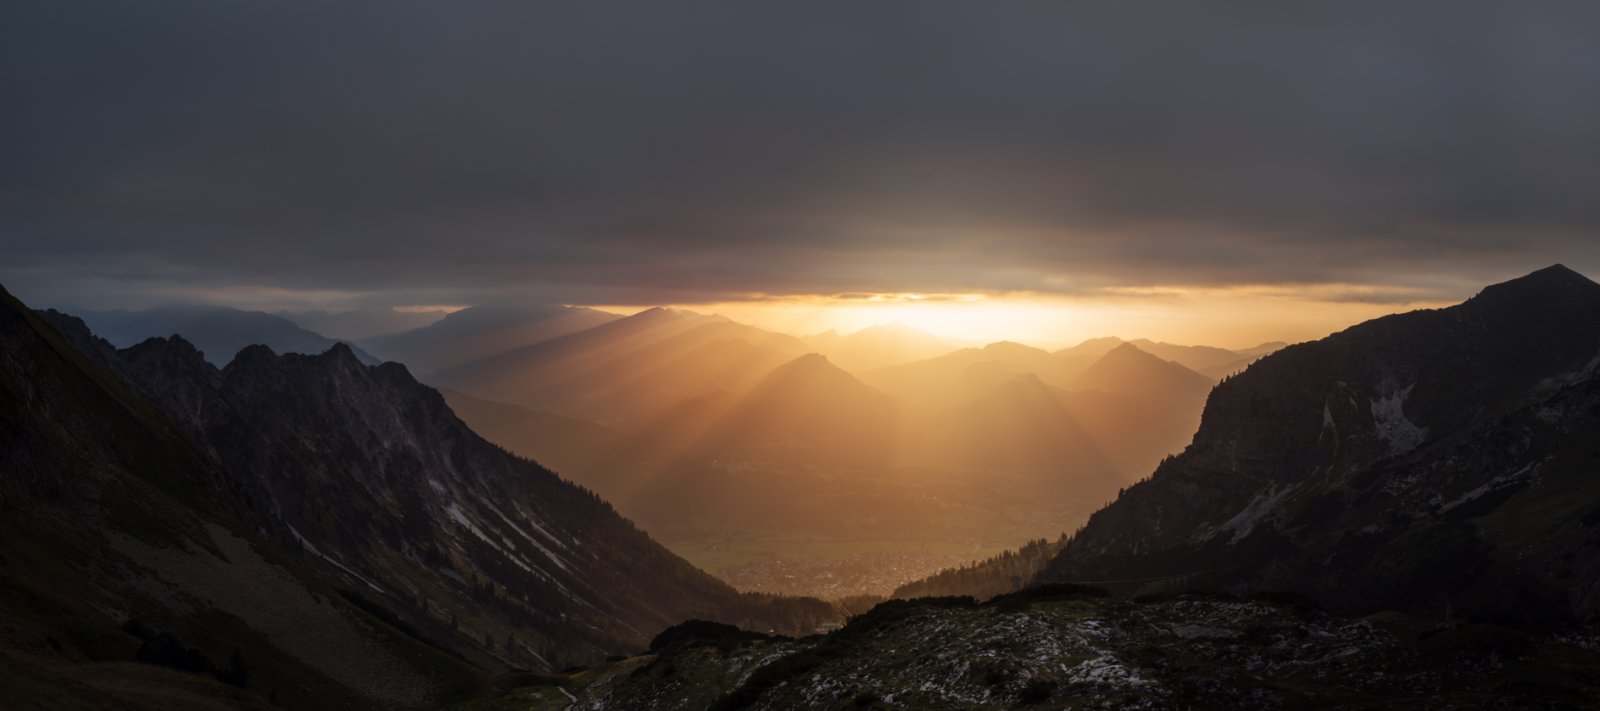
1227, 317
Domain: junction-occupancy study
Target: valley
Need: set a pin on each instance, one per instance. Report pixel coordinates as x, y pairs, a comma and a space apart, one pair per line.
897, 356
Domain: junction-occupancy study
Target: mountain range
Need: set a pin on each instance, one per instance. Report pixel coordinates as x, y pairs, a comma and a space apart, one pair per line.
1401, 514
219, 333
1414, 496
306, 512
668, 413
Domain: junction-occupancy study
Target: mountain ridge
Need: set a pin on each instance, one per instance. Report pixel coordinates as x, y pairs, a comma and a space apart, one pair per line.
1373, 421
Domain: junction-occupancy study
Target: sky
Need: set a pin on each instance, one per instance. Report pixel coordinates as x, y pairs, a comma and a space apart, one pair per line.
1203, 171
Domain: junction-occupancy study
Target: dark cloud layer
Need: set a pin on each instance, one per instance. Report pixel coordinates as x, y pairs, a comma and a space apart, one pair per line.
653, 151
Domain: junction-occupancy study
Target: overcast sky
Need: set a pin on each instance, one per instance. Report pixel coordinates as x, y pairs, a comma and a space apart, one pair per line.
460, 152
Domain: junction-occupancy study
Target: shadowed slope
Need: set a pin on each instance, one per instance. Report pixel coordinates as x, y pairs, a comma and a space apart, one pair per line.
1418, 460
110, 516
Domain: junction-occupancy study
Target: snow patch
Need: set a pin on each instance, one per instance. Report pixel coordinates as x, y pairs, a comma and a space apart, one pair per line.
1389, 419
1259, 508
313, 550
1496, 483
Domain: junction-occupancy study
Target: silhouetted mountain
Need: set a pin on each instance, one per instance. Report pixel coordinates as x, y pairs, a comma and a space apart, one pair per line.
1128, 370
877, 347
219, 333
1435, 460
1196, 358
119, 542
482, 332
1140, 408
1020, 435
938, 383
1246, 357
1075, 360
808, 410
631, 370
361, 324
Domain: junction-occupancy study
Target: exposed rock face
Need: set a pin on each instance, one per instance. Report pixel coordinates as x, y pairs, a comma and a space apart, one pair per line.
1429, 459
116, 526
370, 476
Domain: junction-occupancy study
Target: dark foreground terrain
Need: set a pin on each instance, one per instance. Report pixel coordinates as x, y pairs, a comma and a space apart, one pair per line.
1060, 649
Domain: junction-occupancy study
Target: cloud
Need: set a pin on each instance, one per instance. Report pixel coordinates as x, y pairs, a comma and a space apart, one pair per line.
422, 152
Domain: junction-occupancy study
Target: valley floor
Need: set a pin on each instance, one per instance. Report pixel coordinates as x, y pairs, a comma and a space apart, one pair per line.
822, 567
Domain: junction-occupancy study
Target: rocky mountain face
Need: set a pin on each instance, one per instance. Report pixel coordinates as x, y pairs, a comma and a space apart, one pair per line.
121, 539
372, 481
1437, 460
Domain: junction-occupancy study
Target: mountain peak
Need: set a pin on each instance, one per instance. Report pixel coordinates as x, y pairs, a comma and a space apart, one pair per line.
171, 351
252, 353
808, 363
1009, 347
341, 351
1552, 285
1128, 349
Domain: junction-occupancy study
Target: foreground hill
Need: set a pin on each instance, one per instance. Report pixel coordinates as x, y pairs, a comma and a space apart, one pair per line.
219, 333
1061, 649
1432, 461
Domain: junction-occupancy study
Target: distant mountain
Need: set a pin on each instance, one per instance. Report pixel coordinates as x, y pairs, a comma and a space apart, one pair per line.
121, 540
481, 332
937, 383
877, 347
361, 324
219, 333
1078, 358
1246, 357
1435, 461
809, 410
1020, 435
1116, 418
1196, 358
1130, 370
631, 370
1140, 408
1210, 361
